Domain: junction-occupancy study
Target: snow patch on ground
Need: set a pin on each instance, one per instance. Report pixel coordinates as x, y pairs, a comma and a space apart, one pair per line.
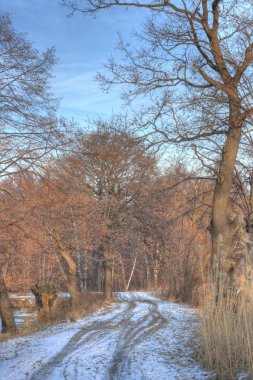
139, 338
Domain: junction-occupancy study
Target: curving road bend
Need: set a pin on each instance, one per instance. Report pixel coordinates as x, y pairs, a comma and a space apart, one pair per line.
139, 338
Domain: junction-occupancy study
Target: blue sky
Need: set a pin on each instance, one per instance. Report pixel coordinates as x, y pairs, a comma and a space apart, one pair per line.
83, 45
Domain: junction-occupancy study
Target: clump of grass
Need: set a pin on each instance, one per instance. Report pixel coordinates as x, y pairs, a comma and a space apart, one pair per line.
227, 335
87, 304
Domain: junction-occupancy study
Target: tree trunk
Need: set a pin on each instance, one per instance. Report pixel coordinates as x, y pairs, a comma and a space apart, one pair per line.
223, 228
156, 264
82, 282
123, 278
72, 278
147, 273
132, 273
85, 279
155, 270
45, 296
107, 273
250, 222
100, 277
248, 235
6, 312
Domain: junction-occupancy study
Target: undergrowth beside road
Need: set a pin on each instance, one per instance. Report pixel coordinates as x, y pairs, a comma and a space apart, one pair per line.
62, 311
227, 336
87, 304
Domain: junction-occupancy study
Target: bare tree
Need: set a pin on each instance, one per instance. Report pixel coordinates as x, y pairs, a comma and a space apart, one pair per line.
195, 61
28, 127
114, 167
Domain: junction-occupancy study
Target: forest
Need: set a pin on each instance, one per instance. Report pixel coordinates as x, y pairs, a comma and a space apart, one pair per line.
159, 199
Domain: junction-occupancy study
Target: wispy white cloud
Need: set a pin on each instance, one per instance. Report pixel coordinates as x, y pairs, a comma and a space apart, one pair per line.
81, 95
83, 44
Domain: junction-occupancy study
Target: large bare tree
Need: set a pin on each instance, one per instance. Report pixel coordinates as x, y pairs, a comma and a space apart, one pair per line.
114, 167
28, 126
195, 62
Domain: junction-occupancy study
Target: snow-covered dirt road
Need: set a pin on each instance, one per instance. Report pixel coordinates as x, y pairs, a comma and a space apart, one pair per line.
139, 338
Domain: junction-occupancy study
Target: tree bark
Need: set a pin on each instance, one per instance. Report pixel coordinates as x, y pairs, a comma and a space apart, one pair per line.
72, 279
250, 222
132, 273
107, 273
156, 264
123, 278
6, 312
248, 235
100, 276
45, 296
147, 273
72, 276
223, 228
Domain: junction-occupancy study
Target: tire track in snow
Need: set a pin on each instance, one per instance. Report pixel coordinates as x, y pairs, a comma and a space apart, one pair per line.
142, 338
86, 338
132, 335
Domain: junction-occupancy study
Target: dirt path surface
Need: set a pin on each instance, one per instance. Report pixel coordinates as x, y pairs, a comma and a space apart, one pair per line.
139, 338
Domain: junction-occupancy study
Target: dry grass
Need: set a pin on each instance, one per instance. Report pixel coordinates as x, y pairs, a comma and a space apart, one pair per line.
227, 332
63, 310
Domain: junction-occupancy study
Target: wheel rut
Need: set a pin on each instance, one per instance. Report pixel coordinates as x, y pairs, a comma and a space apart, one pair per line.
86, 338
141, 337
134, 333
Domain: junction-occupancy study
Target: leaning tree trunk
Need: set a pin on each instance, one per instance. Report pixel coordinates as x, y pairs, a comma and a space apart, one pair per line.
223, 228
107, 256
132, 273
71, 276
6, 312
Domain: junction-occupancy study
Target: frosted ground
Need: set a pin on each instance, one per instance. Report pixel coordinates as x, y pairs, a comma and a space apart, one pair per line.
139, 338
